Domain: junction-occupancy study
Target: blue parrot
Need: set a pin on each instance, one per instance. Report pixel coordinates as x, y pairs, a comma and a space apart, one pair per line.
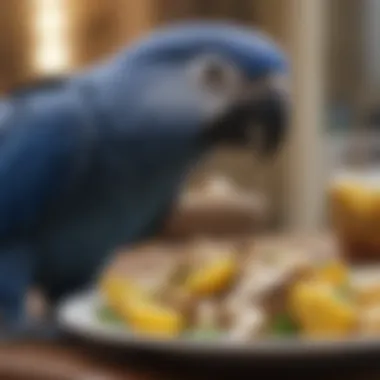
95, 161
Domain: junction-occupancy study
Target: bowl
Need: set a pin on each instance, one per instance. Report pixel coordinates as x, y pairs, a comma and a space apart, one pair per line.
219, 208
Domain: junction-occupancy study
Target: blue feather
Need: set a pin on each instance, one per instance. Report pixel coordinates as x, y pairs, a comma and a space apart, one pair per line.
97, 163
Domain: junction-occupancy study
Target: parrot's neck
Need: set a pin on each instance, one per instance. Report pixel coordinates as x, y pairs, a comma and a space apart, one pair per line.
113, 94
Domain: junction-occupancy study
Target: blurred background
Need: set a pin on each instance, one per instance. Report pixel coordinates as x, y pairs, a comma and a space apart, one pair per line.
339, 48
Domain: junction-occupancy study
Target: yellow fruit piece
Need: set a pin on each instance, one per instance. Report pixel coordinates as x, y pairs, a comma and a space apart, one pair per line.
212, 278
139, 311
335, 273
149, 318
320, 312
117, 289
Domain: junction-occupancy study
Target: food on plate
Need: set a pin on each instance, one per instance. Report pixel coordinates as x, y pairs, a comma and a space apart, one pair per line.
367, 289
242, 293
320, 311
334, 272
149, 317
118, 289
212, 278
139, 309
369, 320
367, 297
284, 325
250, 323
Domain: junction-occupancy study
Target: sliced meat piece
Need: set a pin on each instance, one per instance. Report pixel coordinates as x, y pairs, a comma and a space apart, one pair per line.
182, 301
266, 281
249, 323
366, 287
207, 314
203, 251
151, 266
369, 321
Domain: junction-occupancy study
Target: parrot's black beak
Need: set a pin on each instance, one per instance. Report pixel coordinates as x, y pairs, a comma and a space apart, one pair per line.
261, 122
270, 118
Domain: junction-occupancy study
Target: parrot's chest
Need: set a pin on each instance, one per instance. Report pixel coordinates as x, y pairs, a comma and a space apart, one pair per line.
75, 248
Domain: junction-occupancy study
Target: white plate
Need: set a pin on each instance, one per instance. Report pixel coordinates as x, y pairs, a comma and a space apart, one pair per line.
78, 316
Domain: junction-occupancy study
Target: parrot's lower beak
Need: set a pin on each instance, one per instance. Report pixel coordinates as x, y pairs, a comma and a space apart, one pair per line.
261, 122
269, 118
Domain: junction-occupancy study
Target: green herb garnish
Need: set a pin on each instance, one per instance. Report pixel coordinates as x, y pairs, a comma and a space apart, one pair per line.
283, 325
344, 292
204, 334
108, 316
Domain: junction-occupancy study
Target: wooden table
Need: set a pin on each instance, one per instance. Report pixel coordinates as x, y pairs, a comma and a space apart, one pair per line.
59, 361
67, 361
73, 360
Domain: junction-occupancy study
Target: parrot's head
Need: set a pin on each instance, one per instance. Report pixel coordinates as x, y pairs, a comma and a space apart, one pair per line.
227, 82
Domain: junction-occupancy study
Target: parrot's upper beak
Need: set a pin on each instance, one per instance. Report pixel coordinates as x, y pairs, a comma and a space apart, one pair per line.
260, 122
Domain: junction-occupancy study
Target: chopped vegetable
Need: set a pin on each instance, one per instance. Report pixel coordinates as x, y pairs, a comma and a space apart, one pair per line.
344, 292
204, 334
108, 316
284, 325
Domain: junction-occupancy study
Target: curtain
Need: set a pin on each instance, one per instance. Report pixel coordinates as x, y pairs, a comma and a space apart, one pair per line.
14, 42
173, 10
98, 28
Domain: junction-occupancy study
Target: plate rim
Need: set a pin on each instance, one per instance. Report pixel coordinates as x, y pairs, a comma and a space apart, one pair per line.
115, 335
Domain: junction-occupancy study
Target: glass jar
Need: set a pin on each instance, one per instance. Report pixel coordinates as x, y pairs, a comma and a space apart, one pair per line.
355, 213
354, 198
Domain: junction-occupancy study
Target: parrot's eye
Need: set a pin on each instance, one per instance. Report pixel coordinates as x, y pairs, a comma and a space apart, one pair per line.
217, 76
